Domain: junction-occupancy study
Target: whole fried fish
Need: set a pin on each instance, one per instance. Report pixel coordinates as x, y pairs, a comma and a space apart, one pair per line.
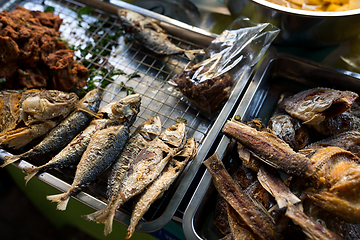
335, 186
318, 104
262, 225
343, 122
290, 130
26, 115
63, 133
349, 141
143, 170
123, 111
104, 147
269, 148
150, 34
162, 183
145, 133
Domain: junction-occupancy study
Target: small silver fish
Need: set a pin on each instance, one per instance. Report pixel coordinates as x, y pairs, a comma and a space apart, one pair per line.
104, 147
162, 183
150, 34
63, 133
143, 170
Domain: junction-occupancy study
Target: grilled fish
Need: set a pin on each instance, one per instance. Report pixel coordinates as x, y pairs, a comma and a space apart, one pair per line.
349, 141
269, 148
150, 34
343, 122
162, 183
143, 170
290, 130
318, 104
63, 133
145, 133
104, 147
239, 229
26, 115
335, 186
123, 111
262, 225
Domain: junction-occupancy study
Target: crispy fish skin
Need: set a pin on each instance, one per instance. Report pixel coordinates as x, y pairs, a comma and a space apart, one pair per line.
143, 170
335, 186
349, 141
72, 153
262, 225
269, 148
162, 183
104, 147
318, 104
311, 228
144, 134
63, 133
343, 122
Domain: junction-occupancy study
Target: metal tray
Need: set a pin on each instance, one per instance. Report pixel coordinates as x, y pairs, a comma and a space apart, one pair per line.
277, 74
158, 97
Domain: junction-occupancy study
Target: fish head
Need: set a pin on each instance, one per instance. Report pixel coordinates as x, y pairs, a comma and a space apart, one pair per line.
151, 128
130, 18
126, 109
174, 135
91, 100
46, 105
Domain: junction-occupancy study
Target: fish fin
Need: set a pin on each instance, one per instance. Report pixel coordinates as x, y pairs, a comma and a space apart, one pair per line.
9, 160
31, 172
62, 200
109, 223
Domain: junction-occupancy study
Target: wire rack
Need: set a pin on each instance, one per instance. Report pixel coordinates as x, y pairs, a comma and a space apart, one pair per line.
119, 64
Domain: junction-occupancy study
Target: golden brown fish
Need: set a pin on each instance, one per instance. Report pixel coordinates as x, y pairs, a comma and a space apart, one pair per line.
26, 115
335, 186
318, 104
143, 170
269, 148
162, 183
262, 225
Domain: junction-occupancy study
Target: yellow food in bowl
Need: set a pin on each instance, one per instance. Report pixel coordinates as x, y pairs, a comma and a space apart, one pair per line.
320, 5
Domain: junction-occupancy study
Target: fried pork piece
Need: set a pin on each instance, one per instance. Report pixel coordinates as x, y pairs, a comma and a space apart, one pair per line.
33, 55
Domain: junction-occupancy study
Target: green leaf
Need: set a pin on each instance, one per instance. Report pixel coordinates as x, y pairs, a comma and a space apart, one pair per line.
49, 9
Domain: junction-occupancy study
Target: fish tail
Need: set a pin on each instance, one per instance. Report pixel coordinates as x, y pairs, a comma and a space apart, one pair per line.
105, 216
130, 232
9, 160
109, 223
31, 172
62, 200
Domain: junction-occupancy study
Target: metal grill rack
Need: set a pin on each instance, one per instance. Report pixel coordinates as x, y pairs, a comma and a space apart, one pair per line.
108, 52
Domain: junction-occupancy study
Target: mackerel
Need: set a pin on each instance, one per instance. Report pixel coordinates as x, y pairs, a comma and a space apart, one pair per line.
143, 170
63, 133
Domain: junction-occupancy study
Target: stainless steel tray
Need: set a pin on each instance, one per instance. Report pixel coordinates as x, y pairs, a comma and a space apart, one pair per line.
277, 74
158, 97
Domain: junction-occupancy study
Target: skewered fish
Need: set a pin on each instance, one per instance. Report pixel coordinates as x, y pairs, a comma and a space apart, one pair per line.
150, 34
26, 115
262, 225
290, 130
63, 133
269, 148
104, 147
162, 183
318, 104
143, 170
